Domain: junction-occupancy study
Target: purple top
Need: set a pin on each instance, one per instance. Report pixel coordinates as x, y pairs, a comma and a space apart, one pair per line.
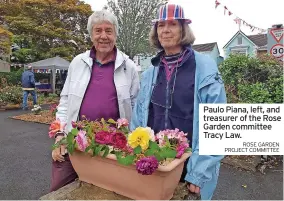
171, 62
100, 100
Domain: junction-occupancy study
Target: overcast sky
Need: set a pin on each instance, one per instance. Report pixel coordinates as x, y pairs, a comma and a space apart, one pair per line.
211, 25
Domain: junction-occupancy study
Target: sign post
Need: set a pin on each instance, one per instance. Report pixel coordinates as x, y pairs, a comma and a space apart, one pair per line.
275, 42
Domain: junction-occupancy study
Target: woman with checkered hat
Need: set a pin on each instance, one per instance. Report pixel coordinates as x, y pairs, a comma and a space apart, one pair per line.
171, 90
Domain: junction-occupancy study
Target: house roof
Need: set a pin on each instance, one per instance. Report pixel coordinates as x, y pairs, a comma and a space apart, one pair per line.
259, 40
207, 47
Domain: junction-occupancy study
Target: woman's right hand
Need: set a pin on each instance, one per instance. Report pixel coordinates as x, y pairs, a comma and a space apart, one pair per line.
57, 154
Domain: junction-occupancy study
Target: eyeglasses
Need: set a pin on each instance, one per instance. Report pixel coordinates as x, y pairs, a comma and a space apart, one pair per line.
162, 100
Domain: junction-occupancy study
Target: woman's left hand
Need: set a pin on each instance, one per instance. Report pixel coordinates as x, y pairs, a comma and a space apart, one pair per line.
193, 188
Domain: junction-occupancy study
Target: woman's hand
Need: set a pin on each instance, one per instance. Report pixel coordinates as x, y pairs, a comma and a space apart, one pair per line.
57, 154
193, 188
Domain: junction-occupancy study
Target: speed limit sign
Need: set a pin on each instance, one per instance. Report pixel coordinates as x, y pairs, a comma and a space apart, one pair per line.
277, 50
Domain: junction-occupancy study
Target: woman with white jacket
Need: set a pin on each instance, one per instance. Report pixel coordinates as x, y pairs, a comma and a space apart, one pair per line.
101, 83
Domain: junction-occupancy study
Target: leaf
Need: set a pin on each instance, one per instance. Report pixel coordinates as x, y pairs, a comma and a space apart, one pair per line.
128, 160
89, 131
98, 149
188, 150
88, 148
106, 151
111, 121
168, 153
137, 150
71, 146
153, 145
74, 131
55, 146
149, 152
158, 156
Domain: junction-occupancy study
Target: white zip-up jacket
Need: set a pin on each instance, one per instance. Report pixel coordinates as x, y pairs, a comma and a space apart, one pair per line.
126, 81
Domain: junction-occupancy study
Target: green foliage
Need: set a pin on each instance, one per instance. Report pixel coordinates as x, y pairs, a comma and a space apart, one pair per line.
47, 28
160, 153
125, 160
13, 77
11, 94
253, 80
5, 41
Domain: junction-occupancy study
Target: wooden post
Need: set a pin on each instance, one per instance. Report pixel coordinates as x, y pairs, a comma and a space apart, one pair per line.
53, 79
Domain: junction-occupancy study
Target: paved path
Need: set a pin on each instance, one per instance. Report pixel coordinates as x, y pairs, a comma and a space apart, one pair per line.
25, 163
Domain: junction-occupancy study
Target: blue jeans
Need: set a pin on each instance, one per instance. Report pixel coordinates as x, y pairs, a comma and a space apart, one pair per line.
25, 97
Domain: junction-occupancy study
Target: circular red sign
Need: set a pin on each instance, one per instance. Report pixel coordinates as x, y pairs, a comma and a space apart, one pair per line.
277, 50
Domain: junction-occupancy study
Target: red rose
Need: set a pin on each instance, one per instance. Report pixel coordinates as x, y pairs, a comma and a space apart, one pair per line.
119, 140
104, 137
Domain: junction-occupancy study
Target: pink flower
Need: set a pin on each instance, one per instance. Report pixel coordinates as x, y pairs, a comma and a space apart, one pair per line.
181, 149
147, 165
104, 137
77, 125
122, 122
119, 140
56, 126
74, 124
172, 135
81, 140
112, 129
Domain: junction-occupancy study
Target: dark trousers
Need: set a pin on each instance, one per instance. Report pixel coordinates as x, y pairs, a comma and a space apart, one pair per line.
184, 171
62, 174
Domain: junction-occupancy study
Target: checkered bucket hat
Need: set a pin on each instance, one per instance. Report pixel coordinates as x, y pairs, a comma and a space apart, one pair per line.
171, 12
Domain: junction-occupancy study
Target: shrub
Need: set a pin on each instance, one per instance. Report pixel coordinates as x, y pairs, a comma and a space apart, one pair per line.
253, 80
11, 94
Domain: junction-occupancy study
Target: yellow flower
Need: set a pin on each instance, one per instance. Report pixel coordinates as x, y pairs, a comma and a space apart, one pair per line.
140, 136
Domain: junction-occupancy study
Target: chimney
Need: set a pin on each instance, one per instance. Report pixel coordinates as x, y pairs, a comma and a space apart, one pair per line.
277, 26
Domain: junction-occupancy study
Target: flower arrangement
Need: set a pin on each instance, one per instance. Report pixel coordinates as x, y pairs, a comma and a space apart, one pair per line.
37, 109
140, 147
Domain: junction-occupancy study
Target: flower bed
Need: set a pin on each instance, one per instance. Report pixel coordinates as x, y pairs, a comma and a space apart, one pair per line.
45, 117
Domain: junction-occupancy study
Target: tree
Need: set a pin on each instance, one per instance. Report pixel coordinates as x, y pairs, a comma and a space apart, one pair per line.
134, 19
253, 80
5, 41
47, 28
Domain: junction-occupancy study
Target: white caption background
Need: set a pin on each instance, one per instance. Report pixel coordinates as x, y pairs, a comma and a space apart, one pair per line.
220, 137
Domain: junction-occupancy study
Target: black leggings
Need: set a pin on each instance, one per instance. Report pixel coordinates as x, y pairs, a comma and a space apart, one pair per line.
184, 171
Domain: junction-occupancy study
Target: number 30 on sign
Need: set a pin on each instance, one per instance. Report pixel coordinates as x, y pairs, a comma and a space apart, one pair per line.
277, 50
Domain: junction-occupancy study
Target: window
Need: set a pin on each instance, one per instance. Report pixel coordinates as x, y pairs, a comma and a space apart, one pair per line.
240, 40
239, 51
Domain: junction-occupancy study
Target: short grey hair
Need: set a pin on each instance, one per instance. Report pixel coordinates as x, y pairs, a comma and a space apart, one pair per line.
100, 16
187, 37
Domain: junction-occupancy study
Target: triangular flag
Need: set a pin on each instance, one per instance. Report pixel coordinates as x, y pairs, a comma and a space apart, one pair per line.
225, 8
216, 4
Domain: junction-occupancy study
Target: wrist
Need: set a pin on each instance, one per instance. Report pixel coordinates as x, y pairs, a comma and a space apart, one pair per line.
59, 135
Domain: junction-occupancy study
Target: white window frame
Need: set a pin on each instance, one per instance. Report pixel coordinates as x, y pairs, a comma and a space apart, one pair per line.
240, 39
240, 51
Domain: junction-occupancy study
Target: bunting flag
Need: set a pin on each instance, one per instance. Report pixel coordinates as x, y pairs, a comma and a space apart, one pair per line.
225, 8
216, 4
238, 20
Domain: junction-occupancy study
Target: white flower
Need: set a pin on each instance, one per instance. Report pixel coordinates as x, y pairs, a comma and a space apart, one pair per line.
151, 133
110, 148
